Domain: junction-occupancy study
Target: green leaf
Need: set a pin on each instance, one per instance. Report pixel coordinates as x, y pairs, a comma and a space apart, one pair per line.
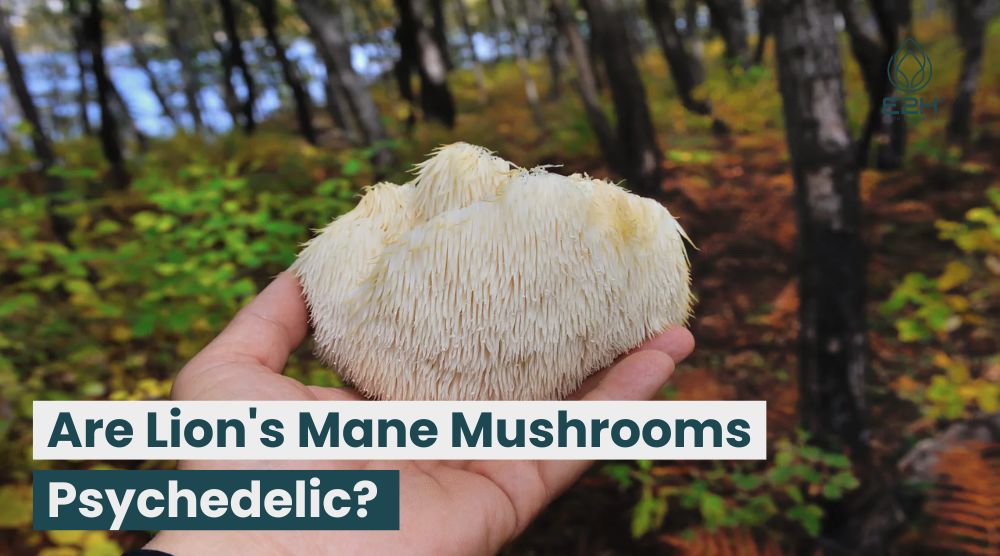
745, 481
993, 194
144, 323
107, 227
845, 480
712, 508
834, 459
911, 330
351, 167
71, 173
794, 493
832, 491
24, 301
648, 513
810, 516
144, 220
621, 473
15, 505
66, 538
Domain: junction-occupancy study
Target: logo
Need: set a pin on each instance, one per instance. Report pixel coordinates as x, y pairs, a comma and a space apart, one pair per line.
909, 68
909, 71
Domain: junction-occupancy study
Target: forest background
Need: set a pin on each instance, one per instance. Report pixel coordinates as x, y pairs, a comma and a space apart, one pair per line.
161, 160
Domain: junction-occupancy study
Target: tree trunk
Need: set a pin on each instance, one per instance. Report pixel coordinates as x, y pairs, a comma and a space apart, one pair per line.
729, 18
61, 226
178, 45
110, 139
206, 28
971, 17
83, 96
831, 257
6, 141
328, 32
764, 25
873, 47
632, 13
376, 23
477, 64
530, 87
338, 107
600, 76
890, 143
80, 50
134, 36
692, 32
556, 54
420, 52
229, 96
124, 114
440, 31
239, 61
303, 107
832, 343
85, 43
685, 70
334, 50
869, 48
585, 81
269, 72
533, 16
640, 158
690, 18
895, 18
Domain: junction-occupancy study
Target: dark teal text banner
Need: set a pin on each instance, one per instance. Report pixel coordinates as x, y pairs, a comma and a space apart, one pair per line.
216, 500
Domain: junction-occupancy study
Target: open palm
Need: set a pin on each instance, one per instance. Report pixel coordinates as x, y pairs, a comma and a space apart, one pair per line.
446, 507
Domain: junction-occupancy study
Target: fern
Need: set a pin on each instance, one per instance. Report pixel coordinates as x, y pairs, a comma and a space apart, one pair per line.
964, 503
723, 542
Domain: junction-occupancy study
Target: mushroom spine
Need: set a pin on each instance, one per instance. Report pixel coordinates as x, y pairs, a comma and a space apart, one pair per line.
480, 280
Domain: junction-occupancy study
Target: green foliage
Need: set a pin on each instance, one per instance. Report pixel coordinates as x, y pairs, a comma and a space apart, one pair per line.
152, 274
925, 307
933, 149
961, 298
80, 543
953, 392
15, 506
788, 490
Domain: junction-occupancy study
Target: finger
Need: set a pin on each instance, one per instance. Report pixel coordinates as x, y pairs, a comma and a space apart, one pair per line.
676, 342
637, 377
265, 331
336, 394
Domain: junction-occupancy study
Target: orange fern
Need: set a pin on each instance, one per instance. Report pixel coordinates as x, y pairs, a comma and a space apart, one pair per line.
964, 504
723, 542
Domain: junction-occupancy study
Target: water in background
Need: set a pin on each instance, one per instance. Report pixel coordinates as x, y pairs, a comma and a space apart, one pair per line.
53, 79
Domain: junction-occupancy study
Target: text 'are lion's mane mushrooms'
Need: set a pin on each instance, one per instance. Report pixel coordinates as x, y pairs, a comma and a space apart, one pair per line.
479, 280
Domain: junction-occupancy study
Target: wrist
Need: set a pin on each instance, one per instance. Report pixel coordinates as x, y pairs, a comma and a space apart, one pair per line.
184, 543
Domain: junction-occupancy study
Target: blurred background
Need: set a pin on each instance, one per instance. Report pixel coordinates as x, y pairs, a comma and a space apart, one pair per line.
834, 161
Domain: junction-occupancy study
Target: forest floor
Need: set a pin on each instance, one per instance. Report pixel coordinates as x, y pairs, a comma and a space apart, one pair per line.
734, 197
735, 201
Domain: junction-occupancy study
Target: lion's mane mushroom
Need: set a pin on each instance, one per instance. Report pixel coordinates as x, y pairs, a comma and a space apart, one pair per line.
479, 280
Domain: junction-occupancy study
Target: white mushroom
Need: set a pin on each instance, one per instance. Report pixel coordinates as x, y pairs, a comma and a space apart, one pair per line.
479, 280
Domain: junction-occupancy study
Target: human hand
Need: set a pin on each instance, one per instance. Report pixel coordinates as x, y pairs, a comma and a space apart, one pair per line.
446, 507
